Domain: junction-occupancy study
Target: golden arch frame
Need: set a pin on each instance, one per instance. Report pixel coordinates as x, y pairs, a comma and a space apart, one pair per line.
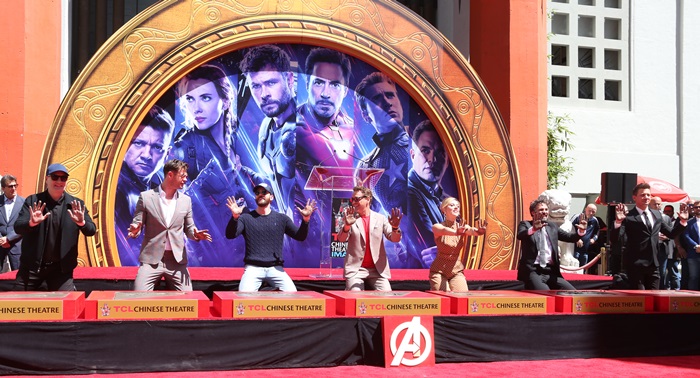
140, 62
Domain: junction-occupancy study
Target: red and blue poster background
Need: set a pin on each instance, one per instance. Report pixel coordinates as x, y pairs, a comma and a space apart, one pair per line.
230, 144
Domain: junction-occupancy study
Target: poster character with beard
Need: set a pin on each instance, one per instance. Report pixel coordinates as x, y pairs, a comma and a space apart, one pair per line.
325, 129
269, 77
425, 194
326, 132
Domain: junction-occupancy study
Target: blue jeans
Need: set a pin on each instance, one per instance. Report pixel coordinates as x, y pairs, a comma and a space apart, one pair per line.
693, 274
673, 276
275, 276
582, 257
663, 259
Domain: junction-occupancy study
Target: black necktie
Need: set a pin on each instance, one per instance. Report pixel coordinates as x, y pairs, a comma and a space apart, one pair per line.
646, 220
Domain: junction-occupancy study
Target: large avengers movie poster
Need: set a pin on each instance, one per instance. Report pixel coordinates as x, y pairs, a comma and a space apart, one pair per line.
276, 113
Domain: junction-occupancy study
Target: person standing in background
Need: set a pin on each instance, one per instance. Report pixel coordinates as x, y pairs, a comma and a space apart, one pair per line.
10, 205
666, 245
673, 274
591, 235
682, 253
691, 243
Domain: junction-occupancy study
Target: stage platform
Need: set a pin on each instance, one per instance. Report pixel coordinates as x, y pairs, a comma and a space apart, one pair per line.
83, 347
209, 280
222, 343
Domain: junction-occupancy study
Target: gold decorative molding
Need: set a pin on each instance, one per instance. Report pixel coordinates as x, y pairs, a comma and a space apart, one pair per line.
147, 56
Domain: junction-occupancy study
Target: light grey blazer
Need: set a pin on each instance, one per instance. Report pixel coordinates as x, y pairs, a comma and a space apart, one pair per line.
149, 213
379, 227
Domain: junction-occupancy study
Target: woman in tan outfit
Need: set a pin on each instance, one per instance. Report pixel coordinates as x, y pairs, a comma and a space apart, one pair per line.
447, 271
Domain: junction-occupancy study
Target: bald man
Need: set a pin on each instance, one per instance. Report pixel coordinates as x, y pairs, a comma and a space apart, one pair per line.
666, 245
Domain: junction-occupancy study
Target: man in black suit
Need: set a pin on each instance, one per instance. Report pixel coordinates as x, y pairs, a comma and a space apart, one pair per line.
538, 267
50, 223
642, 227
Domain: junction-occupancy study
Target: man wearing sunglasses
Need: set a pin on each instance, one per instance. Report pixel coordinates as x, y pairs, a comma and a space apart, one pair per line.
50, 223
10, 205
366, 262
263, 230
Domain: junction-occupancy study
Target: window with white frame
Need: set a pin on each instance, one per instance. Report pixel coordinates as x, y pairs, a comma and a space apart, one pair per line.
589, 53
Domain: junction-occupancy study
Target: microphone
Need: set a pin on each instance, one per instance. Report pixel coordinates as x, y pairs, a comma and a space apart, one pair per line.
355, 157
333, 155
319, 163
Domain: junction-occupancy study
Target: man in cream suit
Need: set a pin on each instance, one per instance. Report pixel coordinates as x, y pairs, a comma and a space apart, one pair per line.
10, 205
364, 230
167, 216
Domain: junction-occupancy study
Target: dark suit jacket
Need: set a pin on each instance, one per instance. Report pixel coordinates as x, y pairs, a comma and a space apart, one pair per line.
691, 238
34, 237
7, 225
528, 247
641, 247
667, 247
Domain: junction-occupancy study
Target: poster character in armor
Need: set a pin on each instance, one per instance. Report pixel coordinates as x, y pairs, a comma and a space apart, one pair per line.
326, 132
140, 172
269, 77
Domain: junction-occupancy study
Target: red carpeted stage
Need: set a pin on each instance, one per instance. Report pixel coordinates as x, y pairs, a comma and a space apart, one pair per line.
213, 343
209, 280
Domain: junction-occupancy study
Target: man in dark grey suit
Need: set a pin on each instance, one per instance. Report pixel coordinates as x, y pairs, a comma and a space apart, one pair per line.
643, 226
167, 216
538, 267
10, 205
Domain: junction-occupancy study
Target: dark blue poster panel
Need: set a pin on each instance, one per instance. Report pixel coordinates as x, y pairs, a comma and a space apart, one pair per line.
276, 113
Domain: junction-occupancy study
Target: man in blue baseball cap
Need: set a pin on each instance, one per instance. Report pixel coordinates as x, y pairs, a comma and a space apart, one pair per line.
50, 223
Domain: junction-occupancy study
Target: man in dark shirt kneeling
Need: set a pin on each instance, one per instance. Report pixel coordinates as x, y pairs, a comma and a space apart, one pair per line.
263, 230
